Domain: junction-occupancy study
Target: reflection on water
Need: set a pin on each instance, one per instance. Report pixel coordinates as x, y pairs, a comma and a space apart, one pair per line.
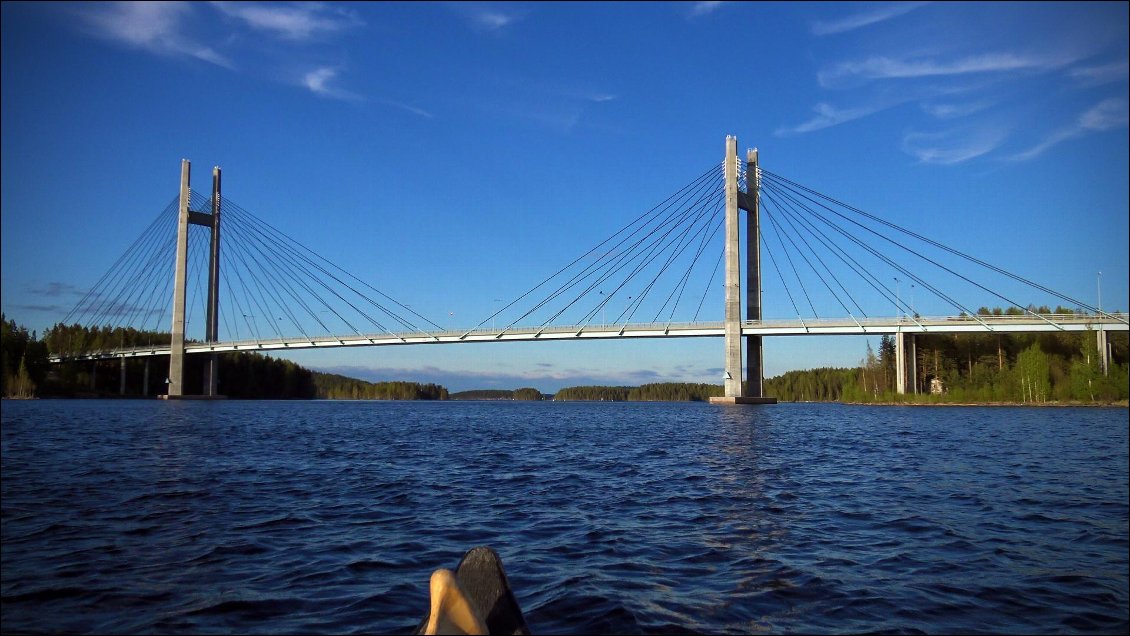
329, 517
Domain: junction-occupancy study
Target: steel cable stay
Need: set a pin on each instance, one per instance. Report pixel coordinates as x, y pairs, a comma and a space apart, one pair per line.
232, 326
899, 267
156, 303
788, 220
279, 307
894, 265
790, 212
282, 283
645, 254
252, 332
224, 315
829, 242
117, 299
83, 302
640, 250
300, 274
151, 272
800, 190
803, 256
301, 251
704, 202
193, 269
283, 276
681, 286
292, 257
949, 249
163, 299
792, 265
708, 210
94, 305
260, 304
709, 283
618, 257
641, 218
858, 268
784, 285
227, 263
678, 248
656, 248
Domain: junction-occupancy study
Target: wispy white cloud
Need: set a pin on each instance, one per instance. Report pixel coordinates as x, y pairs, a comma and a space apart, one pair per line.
953, 111
415, 110
1108, 114
953, 146
292, 21
486, 18
866, 18
705, 8
550, 103
492, 20
156, 27
880, 68
1104, 74
319, 81
828, 116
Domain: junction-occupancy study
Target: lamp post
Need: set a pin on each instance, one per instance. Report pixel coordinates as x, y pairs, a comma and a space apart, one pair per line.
898, 300
1099, 283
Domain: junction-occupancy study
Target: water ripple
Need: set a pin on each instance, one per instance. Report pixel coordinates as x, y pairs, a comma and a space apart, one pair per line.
321, 517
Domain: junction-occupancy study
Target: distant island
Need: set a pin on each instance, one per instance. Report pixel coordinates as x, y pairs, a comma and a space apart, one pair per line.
524, 394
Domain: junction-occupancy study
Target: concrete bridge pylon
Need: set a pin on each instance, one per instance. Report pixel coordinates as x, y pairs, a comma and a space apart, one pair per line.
186, 217
752, 392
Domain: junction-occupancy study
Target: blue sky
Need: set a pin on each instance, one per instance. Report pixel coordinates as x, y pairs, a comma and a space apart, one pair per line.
453, 155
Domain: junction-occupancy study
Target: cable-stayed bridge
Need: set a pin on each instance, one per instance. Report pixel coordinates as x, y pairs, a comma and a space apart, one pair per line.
666, 273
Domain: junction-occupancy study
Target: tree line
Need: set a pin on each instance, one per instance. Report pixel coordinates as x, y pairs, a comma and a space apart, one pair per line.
242, 375
656, 392
525, 394
1020, 367
339, 387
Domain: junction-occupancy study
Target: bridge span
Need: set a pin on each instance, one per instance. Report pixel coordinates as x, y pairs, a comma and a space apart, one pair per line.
796, 327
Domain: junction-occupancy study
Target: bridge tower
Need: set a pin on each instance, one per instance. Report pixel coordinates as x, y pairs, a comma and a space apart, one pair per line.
186, 216
748, 201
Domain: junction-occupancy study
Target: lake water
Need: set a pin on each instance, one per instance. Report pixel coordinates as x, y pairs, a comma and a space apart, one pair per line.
329, 517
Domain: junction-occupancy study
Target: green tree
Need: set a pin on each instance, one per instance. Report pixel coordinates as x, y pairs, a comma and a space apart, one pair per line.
1032, 374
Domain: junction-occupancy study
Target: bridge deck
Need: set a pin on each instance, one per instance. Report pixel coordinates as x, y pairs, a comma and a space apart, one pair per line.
798, 327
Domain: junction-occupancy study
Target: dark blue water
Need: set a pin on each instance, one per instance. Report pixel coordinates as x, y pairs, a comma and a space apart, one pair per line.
329, 517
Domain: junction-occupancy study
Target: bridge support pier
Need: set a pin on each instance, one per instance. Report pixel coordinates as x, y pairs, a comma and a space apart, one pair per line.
145, 379
1104, 350
906, 366
122, 379
734, 392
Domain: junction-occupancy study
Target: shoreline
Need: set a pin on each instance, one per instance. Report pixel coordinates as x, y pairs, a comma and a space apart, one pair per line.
1122, 404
